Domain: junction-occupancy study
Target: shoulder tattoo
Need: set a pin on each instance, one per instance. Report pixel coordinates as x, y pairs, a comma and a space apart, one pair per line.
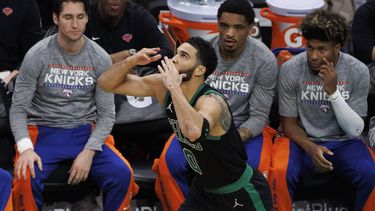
225, 116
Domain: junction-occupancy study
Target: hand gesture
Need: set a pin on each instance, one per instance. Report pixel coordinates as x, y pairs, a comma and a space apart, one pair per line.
81, 167
171, 76
26, 160
146, 56
328, 75
317, 155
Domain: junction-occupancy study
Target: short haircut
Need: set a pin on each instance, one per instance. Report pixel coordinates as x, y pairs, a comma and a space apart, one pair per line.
324, 26
57, 6
205, 54
240, 7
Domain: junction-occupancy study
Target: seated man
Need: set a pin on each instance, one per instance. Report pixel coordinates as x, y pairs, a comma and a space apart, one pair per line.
322, 100
5, 191
59, 113
201, 118
121, 28
20, 24
246, 75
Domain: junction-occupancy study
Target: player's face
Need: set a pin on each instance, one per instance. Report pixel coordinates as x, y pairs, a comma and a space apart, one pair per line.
112, 8
71, 20
185, 60
317, 50
233, 30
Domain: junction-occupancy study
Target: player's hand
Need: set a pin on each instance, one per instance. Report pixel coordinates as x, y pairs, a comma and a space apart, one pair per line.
317, 155
145, 56
81, 167
245, 133
328, 76
171, 76
26, 160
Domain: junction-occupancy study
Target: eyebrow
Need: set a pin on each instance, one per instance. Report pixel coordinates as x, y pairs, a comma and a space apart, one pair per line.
184, 52
70, 14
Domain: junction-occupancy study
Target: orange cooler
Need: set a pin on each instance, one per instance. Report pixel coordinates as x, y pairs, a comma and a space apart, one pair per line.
286, 16
188, 18
184, 28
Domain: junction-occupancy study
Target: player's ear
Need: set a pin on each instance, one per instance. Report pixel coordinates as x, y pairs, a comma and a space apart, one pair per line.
200, 71
55, 19
337, 47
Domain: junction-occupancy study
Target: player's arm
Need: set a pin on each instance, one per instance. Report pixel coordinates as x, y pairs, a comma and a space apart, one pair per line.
197, 121
293, 131
22, 98
119, 56
210, 116
350, 122
118, 80
261, 99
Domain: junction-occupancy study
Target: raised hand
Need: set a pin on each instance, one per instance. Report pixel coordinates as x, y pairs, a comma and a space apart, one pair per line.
146, 56
171, 77
328, 75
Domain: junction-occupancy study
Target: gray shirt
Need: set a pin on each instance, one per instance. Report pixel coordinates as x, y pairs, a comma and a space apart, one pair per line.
56, 89
301, 95
248, 83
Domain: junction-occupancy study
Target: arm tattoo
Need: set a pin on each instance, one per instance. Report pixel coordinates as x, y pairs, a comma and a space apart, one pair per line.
225, 116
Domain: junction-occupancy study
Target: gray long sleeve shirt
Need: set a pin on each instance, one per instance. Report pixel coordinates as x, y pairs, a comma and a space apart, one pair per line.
56, 89
248, 83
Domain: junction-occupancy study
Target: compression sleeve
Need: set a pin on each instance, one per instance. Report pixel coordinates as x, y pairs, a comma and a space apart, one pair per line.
348, 119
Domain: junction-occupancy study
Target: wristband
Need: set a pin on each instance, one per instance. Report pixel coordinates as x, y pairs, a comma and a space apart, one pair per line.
24, 144
336, 96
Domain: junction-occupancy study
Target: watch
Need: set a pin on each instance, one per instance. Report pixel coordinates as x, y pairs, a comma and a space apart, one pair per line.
132, 51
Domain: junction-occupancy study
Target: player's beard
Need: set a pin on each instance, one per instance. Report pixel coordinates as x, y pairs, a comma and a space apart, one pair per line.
188, 73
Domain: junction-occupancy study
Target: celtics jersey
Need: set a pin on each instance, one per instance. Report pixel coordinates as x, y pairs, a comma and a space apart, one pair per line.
217, 161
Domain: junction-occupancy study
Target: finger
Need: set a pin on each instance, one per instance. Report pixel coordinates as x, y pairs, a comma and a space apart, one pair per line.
31, 167
328, 65
18, 169
39, 162
182, 76
319, 164
327, 151
85, 176
326, 62
169, 63
154, 50
72, 176
161, 70
163, 63
157, 49
323, 161
155, 57
80, 176
23, 170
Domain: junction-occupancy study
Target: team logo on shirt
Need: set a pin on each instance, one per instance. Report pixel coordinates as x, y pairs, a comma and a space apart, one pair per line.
170, 107
324, 108
68, 92
7, 11
230, 82
313, 93
236, 204
69, 77
127, 37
